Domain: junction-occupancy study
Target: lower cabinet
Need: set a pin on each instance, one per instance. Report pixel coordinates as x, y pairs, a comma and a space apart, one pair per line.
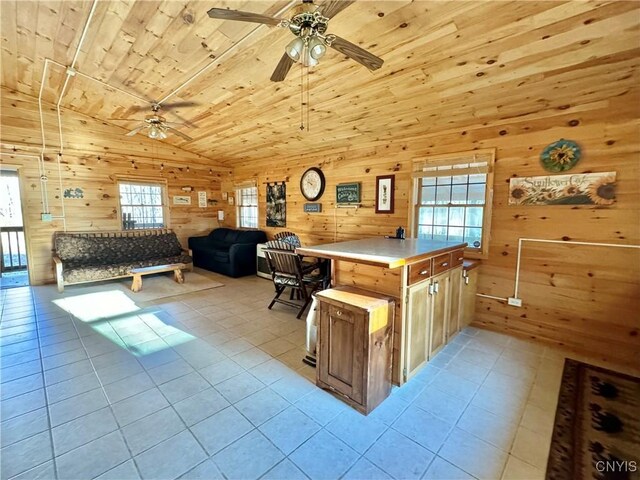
355, 345
433, 316
468, 292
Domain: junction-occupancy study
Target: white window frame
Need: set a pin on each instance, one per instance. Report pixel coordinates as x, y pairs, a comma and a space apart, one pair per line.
162, 183
245, 200
443, 165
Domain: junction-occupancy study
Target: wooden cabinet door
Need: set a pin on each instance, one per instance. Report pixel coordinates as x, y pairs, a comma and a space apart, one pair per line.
439, 312
453, 320
468, 298
342, 354
417, 335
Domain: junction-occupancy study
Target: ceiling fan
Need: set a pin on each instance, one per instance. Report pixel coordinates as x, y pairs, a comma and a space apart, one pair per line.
156, 125
309, 26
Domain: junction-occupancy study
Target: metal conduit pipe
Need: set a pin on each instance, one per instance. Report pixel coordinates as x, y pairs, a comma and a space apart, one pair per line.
223, 54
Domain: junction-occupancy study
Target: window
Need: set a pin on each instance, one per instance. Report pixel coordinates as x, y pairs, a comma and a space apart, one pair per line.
142, 205
247, 201
453, 200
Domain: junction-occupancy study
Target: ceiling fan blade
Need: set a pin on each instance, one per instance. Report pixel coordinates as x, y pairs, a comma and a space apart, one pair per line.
333, 7
282, 69
139, 108
186, 103
180, 134
224, 14
135, 130
174, 124
356, 53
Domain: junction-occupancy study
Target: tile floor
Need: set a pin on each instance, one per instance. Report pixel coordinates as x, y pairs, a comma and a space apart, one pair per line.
211, 385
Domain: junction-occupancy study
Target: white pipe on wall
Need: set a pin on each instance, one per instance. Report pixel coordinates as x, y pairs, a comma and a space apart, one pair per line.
541, 240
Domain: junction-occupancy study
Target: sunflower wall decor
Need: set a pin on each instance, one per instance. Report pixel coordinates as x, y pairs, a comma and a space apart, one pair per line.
578, 189
560, 156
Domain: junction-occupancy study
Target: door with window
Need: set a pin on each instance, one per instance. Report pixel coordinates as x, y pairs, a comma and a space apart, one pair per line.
13, 247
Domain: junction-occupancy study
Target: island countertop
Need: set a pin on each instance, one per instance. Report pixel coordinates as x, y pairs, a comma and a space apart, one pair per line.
384, 252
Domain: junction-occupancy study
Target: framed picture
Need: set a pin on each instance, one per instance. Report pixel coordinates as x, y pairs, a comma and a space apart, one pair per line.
277, 204
182, 200
230, 200
224, 195
348, 193
384, 193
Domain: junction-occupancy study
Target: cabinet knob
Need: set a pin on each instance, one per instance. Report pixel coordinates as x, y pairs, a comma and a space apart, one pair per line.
424, 272
460, 258
444, 264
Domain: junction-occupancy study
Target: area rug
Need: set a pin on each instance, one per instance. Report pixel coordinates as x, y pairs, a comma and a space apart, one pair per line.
162, 285
596, 434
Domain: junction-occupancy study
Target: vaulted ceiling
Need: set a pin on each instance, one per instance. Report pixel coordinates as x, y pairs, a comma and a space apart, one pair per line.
448, 64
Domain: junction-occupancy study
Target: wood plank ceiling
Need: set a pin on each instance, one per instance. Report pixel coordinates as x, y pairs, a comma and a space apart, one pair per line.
448, 64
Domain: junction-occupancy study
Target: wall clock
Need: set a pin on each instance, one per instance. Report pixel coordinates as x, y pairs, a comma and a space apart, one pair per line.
312, 184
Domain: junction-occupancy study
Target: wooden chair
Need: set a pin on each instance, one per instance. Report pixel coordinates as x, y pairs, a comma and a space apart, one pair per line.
287, 272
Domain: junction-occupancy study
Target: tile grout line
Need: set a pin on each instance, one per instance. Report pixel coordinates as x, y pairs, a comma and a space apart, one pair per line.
46, 393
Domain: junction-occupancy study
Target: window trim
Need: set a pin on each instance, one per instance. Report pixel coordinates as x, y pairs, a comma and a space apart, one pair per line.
145, 181
239, 205
481, 155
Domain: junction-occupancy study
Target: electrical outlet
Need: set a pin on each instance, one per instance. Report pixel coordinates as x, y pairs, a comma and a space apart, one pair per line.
47, 217
514, 302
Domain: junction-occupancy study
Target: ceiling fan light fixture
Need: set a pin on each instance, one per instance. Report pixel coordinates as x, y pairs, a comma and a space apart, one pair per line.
295, 48
317, 48
156, 132
308, 60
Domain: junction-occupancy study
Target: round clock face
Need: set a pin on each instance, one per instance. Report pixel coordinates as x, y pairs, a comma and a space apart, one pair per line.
312, 184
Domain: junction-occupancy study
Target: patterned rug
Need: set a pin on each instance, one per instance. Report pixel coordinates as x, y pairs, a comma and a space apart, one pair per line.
596, 434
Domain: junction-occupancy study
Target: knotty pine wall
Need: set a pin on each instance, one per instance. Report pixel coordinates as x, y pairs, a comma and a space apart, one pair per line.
85, 140
584, 299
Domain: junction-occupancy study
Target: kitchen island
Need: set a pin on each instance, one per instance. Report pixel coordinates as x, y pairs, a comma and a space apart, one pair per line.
424, 277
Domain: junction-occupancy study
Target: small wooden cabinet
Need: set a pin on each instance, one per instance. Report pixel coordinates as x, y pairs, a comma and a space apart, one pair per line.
355, 344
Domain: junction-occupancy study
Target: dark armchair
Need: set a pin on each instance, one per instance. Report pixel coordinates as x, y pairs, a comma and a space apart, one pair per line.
227, 251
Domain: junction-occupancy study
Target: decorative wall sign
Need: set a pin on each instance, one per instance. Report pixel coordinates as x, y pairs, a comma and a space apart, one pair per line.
312, 207
73, 193
577, 189
277, 204
384, 193
560, 156
347, 193
182, 200
202, 199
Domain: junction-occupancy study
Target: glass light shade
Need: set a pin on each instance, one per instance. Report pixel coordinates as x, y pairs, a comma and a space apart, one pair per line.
154, 132
308, 60
317, 48
295, 48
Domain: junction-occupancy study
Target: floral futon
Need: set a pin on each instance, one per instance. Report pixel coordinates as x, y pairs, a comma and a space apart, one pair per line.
92, 257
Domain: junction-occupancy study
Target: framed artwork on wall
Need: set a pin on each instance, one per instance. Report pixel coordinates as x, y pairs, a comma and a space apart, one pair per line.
385, 185
277, 204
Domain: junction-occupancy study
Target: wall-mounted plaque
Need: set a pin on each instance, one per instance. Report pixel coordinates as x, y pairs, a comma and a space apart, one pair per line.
182, 200
312, 207
577, 189
347, 193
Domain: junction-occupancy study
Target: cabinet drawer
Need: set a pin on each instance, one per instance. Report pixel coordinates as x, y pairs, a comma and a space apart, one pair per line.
441, 263
419, 271
341, 313
457, 258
